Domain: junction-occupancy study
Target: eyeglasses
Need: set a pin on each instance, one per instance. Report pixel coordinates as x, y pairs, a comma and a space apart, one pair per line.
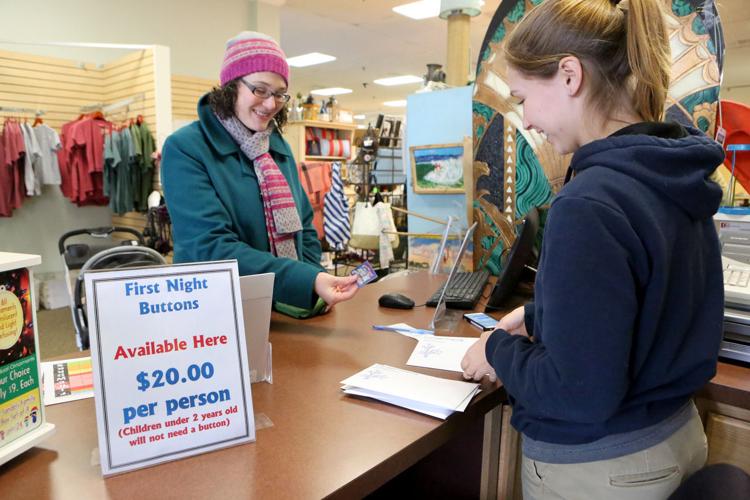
265, 93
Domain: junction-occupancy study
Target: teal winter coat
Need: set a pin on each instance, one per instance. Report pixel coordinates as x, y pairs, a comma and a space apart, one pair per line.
214, 201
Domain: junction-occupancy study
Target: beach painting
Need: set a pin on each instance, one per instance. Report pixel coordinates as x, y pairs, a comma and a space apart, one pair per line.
438, 169
422, 251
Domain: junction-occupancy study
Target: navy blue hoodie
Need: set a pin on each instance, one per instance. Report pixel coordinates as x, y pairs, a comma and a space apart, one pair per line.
629, 297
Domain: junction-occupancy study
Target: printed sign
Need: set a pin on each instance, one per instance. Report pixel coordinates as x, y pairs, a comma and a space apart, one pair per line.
20, 398
170, 363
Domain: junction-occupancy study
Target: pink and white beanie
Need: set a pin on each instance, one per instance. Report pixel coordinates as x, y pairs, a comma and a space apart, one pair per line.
253, 52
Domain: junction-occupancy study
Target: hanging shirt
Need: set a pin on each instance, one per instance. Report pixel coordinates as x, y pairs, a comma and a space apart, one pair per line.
135, 134
6, 178
82, 170
15, 150
49, 145
131, 177
119, 155
145, 148
111, 162
31, 161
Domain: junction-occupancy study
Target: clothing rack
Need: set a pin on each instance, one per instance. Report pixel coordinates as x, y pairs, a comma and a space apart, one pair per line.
108, 108
6, 109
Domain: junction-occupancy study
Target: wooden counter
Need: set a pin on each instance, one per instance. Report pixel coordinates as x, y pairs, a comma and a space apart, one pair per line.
731, 386
320, 442
724, 405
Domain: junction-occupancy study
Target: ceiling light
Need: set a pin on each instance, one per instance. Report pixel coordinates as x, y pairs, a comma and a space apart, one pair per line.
419, 10
359, 117
399, 80
331, 91
309, 59
395, 104
361, 126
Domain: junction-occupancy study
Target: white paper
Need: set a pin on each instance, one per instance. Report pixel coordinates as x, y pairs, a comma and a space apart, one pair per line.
443, 353
466, 401
67, 380
416, 387
433, 411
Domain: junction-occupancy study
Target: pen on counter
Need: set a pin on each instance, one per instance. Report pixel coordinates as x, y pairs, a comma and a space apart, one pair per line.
402, 329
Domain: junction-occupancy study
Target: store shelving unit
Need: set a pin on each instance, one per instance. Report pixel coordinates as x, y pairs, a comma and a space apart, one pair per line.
296, 132
384, 171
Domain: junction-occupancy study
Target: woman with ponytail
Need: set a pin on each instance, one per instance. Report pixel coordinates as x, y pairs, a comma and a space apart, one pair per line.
627, 317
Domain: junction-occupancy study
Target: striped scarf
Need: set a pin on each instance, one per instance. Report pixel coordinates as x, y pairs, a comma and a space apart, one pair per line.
282, 218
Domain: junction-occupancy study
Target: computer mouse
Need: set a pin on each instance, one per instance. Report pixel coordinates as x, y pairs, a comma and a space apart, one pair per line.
396, 301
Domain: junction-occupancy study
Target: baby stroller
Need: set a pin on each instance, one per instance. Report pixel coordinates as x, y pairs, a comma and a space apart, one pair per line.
96, 249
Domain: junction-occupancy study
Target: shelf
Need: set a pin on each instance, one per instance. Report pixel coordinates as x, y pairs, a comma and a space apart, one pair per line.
322, 124
296, 135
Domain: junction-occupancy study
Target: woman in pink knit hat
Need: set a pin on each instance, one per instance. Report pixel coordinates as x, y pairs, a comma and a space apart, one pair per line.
231, 183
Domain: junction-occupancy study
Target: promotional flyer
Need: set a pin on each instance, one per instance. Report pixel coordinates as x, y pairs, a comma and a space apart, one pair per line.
20, 399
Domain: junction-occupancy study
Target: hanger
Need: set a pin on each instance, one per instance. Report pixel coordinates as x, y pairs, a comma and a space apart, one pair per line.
38, 120
139, 119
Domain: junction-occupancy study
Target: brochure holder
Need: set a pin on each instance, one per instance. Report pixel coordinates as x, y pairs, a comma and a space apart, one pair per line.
22, 420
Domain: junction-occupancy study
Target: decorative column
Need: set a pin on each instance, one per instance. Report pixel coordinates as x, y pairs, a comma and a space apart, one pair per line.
459, 14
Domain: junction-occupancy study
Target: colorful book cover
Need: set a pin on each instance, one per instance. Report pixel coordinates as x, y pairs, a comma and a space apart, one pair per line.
20, 398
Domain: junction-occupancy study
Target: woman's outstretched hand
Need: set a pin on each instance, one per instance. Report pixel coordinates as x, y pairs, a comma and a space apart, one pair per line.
334, 289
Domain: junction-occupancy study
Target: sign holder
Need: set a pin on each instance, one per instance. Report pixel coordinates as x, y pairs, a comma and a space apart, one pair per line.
169, 357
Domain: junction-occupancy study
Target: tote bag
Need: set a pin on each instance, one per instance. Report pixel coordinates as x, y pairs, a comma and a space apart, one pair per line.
366, 227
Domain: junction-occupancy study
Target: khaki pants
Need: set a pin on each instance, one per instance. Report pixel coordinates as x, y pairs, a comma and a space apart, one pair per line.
649, 474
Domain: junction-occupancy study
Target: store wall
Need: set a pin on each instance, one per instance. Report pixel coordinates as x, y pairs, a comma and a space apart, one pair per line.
186, 91
61, 87
195, 30
433, 118
736, 83
196, 48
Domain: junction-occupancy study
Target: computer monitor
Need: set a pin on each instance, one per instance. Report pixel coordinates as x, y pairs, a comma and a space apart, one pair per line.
517, 259
440, 307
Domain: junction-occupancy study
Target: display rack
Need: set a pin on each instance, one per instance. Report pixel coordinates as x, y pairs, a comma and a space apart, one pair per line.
380, 178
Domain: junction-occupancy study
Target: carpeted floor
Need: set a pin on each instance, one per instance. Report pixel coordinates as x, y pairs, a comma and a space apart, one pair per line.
57, 335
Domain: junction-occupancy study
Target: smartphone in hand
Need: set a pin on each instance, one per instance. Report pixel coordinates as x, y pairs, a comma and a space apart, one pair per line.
482, 321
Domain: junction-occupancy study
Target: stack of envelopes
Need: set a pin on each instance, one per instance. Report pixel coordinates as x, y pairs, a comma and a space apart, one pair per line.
433, 396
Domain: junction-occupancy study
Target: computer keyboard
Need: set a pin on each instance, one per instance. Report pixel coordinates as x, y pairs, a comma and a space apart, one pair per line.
464, 291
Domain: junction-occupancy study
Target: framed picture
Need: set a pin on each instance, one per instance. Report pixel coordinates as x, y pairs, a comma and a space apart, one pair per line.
439, 169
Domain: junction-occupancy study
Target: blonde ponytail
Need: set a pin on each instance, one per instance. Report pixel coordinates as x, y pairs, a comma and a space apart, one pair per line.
622, 46
649, 57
